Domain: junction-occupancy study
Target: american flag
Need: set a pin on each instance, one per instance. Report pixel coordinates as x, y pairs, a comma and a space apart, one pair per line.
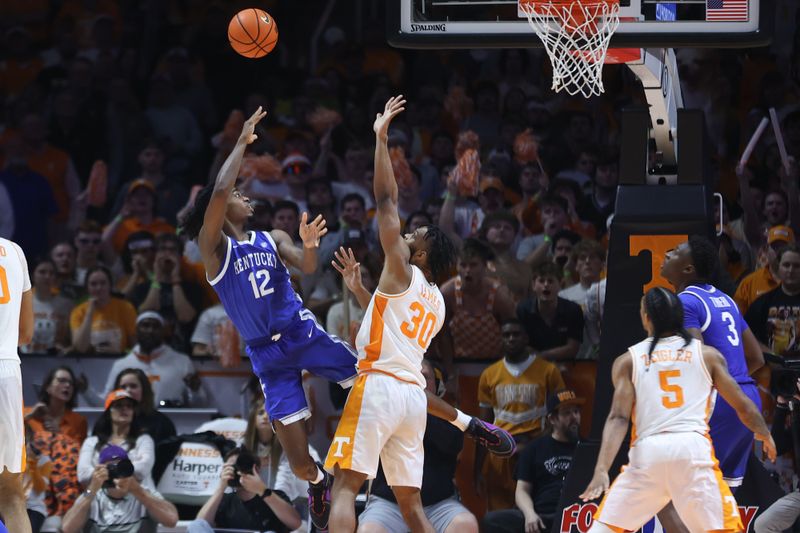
726, 10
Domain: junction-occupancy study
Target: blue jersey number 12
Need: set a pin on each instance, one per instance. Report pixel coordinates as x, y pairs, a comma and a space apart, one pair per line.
260, 290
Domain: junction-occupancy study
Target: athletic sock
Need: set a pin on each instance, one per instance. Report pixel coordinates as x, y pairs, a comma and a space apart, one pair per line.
462, 420
320, 476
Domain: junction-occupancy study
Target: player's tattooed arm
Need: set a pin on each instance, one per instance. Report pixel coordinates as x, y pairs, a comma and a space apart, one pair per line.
616, 426
310, 233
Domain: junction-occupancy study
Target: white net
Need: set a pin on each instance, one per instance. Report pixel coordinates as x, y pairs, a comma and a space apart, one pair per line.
576, 36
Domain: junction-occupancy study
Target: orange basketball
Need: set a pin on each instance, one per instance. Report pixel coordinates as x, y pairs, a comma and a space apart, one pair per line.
253, 33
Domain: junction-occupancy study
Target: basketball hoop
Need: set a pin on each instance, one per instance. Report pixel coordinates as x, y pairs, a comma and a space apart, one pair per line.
575, 35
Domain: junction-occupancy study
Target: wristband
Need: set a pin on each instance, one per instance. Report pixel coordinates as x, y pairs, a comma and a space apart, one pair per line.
547, 238
89, 493
155, 285
267, 492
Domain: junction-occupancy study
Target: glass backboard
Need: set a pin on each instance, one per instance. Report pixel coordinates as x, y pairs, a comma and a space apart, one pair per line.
643, 23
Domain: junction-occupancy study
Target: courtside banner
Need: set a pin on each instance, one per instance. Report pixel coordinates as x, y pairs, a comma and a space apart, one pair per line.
193, 475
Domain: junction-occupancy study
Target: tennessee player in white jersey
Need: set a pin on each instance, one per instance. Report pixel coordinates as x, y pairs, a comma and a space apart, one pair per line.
665, 383
385, 414
16, 328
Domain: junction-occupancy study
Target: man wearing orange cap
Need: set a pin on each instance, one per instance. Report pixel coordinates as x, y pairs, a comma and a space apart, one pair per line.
765, 278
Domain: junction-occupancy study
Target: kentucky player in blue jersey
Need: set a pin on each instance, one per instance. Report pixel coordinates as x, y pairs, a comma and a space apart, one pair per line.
248, 271
712, 316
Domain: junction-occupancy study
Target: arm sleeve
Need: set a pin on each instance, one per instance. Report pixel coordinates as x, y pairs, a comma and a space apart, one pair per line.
694, 314
143, 456
86, 460
485, 391
76, 318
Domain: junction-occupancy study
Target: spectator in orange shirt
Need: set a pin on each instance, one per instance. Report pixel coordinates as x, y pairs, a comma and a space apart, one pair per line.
765, 278
104, 323
54, 411
58, 432
138, 214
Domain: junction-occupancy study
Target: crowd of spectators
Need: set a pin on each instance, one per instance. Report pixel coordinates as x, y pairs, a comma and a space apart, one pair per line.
112, 114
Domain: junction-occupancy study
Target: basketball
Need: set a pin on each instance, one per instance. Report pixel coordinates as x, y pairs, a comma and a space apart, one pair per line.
253, 33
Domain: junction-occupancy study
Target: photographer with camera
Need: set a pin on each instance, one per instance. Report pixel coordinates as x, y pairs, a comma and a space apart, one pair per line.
118, 425
249, 504
115, 501
786, 434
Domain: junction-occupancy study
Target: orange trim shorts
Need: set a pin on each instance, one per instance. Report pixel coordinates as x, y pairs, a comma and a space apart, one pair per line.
671, 466
12, 426
384, 418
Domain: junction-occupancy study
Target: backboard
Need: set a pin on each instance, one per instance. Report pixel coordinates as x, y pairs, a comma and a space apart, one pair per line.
643, 24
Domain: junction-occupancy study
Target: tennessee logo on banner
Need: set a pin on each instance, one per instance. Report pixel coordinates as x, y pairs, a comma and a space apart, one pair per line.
658, 246
578, 518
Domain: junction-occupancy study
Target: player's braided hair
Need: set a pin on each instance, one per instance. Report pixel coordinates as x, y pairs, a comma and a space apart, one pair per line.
193, 221
442, 253
665, 311
705, 257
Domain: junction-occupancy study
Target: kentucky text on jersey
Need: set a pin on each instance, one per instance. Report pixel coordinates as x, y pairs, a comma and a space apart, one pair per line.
252, 260
255, 289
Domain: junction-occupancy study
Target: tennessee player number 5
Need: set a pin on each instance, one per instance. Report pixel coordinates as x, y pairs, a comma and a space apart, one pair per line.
668, 400
421, 326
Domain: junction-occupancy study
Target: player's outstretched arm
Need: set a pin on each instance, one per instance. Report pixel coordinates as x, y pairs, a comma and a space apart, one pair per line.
310, 234
616, 426
385, 190
350, 270
745, 408
210, 236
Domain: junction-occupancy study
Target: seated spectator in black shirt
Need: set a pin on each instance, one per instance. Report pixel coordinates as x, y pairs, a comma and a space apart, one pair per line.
541, 468
554, 325
442, 444
774, 316
243, 501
